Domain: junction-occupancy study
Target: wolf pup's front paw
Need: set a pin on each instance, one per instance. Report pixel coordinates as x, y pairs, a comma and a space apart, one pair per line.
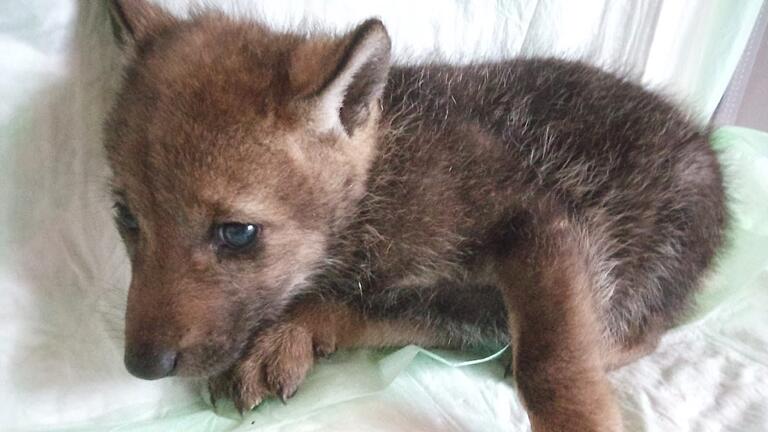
275, 366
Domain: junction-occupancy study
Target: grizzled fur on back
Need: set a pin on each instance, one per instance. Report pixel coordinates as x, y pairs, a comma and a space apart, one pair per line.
538, 202
630, 168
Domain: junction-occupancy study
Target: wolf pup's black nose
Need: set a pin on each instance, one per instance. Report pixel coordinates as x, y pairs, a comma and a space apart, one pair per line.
150, 362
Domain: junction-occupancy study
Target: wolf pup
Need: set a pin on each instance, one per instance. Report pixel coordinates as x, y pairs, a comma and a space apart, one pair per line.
282, 196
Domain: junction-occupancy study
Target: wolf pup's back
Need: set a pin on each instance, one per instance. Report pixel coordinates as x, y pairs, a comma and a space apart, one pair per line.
627, 164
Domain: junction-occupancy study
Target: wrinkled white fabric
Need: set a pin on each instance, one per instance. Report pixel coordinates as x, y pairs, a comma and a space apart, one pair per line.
63, 272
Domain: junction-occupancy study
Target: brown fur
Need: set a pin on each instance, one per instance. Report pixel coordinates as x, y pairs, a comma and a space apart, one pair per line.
280, 356
538, 202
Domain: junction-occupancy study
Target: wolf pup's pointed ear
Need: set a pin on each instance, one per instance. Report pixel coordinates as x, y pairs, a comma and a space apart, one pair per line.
133, 21
358, 79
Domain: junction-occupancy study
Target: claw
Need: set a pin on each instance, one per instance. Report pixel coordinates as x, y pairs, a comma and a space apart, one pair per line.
256, 403
214, 394
241, 405
242, 408
323, 351
286, 394
509, 371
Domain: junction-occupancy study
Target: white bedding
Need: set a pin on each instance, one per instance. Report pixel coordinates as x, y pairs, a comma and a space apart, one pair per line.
63, 272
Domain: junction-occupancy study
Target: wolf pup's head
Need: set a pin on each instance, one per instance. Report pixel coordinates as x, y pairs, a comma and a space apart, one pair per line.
236, 152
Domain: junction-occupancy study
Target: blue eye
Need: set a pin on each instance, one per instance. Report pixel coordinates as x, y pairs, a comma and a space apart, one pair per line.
125, 218
237, 235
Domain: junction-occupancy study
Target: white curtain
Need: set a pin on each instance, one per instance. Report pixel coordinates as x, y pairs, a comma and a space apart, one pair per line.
686, 48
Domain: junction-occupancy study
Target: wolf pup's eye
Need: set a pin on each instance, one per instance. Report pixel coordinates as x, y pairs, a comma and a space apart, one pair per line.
125, 218
237, 235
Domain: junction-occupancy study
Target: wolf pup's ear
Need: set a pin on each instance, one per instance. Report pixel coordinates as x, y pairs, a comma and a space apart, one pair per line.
133, 21
358, 79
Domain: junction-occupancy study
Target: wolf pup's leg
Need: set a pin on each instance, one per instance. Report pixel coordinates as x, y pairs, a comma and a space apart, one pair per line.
557, 364
281, 355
